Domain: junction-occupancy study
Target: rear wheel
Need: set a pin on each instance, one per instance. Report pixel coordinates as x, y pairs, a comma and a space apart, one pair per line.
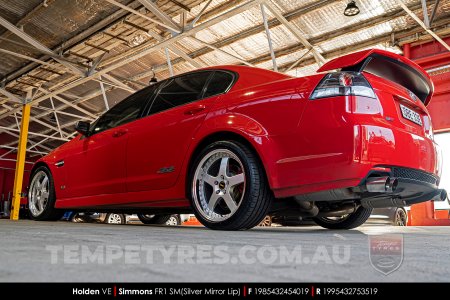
153, 219
41, 196
112, 218
349, 221
229, 190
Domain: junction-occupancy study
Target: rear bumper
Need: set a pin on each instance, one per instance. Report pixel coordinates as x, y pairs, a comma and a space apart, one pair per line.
349, 155
403, 187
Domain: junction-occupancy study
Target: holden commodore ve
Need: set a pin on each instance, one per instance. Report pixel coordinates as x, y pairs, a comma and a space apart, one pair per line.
235, 143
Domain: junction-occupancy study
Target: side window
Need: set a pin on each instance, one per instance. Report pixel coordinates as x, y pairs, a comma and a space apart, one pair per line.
219, 84
125, 111
180, 90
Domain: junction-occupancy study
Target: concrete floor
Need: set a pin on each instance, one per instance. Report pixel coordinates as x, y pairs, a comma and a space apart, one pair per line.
62, 251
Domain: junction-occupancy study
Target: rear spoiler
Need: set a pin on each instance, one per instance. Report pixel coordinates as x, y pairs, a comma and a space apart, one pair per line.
387, 65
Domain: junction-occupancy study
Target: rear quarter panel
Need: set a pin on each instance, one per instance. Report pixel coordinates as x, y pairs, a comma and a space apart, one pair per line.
265, 115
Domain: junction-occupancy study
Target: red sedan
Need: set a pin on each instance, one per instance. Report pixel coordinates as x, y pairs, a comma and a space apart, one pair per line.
235, 143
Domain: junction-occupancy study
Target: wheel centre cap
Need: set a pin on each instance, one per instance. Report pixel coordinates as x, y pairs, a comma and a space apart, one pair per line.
222, 185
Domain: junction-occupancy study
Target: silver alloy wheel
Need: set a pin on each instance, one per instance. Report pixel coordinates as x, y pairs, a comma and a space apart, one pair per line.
39, 193
172, 221
218, 185
114, 219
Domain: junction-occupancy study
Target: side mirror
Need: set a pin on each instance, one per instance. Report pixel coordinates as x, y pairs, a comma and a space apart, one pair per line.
82, 127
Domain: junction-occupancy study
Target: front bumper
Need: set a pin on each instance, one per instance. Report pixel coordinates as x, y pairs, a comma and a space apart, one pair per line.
411, 187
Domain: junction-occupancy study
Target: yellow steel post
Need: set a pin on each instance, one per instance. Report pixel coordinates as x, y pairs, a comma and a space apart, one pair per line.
20, 163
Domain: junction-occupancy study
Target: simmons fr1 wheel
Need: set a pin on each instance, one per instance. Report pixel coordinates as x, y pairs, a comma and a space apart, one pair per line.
229, 190
349, 221
41, 196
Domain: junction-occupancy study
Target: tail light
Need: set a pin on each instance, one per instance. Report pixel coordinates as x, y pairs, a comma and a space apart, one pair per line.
343, 84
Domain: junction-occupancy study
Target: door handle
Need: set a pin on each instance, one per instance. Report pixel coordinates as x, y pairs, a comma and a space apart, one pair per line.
119, 133
195, 110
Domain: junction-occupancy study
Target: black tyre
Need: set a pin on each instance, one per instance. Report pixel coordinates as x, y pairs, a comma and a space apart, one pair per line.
41, 196
113, 218
228, 187
153, 219
349, 221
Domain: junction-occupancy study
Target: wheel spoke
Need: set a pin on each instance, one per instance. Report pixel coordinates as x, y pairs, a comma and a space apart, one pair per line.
209, 179
213, 201
230, 203
236, 179
223, 166
40, 204
44, 195
44, 183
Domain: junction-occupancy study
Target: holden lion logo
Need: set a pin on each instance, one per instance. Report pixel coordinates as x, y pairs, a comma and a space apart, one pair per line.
386, 252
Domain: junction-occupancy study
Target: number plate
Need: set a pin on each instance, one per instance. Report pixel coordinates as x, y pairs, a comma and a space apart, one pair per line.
411, 115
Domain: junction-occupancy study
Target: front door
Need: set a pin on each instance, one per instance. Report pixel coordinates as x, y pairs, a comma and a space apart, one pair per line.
96, 164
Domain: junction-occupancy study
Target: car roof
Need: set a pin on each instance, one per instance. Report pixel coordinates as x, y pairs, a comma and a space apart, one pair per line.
249, 76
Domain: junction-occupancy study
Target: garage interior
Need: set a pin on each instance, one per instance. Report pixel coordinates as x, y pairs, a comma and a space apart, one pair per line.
64, 61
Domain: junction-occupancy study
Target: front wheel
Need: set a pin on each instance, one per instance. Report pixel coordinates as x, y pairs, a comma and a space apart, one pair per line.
41, 196
229, 190
349, 221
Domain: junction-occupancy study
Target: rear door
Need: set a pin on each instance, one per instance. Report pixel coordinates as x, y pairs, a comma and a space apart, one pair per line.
159, 142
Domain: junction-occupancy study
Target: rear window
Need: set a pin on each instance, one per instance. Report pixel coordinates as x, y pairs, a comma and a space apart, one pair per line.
179, 91
219, 84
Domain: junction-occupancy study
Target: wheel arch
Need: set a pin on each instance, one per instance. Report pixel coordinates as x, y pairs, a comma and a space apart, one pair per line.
222, 136
39, 164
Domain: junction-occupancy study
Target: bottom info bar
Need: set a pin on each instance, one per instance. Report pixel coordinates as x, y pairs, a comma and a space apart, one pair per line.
236, 290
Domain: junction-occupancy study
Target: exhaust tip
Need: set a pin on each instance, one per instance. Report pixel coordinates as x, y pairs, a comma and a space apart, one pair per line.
383, 184
391, 184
